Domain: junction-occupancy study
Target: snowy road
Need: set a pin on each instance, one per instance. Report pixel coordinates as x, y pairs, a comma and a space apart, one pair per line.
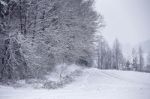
93, 84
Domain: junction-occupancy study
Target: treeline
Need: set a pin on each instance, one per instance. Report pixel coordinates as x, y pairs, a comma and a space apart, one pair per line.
37, 35
113, 58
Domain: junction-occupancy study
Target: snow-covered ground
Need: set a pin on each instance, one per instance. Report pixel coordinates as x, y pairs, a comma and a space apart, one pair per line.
93, 84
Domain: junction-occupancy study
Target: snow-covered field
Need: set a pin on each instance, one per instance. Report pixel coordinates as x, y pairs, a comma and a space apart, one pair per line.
93, 84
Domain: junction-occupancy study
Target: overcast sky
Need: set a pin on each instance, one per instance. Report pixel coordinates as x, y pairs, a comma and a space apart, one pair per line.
128, 20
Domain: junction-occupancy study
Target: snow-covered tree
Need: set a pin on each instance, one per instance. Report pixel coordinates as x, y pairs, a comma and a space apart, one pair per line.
127, 67
148, 63
148, 59
141, 59
12, 64
134, 60
43, 33
117, 55
104, 54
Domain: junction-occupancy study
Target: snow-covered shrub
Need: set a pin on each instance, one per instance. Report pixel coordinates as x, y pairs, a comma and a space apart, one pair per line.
85, 61
71, 77
52, 85
63, 75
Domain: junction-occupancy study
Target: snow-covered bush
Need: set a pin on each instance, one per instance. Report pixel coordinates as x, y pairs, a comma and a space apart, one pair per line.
52, 85
63, 75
